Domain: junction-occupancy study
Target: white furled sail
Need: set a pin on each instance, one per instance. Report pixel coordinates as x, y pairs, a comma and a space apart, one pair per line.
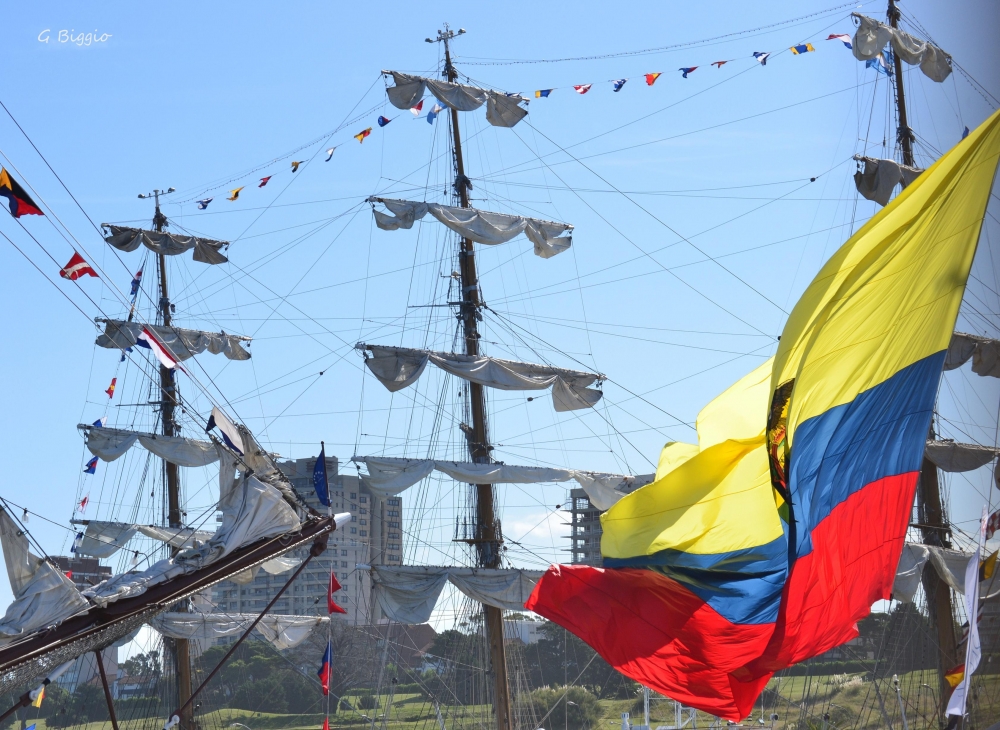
398, 367
43, 595
949, 564
284, 632
103, 539
880, 177
478, 225
952, 456
388, 476
182, 343
109, 444
872, 36
983, 351
408, 594
502, 110
128, 239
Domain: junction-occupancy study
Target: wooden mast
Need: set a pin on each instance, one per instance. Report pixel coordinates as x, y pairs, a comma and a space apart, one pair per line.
168, 402
933, 523
488, 538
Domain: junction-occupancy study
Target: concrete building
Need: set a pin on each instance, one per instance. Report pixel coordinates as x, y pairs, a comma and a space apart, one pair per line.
86, 573
584, 529
373, 536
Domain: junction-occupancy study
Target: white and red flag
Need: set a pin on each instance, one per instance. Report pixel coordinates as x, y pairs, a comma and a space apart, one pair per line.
167, 360
76, 268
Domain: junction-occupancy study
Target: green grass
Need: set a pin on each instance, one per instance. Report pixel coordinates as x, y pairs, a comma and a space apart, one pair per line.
800, 705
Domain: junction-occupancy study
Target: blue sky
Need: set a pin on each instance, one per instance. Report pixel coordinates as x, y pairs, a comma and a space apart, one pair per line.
206, 98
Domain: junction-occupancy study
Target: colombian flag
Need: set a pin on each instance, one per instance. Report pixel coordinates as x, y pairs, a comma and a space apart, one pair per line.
20, 202
324, 668
763, 545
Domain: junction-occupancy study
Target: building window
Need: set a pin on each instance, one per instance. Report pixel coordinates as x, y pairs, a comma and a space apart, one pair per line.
393, 535
394, 513
393, 502
364, 498
354, 507
343, 552
354, 495
394, 524
343, 563
393, 546
354, 530
364, 533
364, 522
393, 558
364, 511
354, 518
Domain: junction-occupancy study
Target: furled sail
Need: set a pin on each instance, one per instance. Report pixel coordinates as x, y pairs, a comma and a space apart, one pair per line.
109, 444
43, 595
953, 456
206, 250
388, 476
284, 632
880, 177
478, 225
949, 564
408, 594
984, 352
182, 343
399, 367
502, 110
872, 36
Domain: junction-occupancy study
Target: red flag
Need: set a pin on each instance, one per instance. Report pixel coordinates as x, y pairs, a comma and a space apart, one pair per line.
582, 88
331, 604
111, 388
84, 502
651, 78
263, 181
719, 64
415, 111
76, 268
326, 723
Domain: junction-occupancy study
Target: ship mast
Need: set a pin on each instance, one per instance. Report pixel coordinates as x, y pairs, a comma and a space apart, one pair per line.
487, 537
933, 526
168, 403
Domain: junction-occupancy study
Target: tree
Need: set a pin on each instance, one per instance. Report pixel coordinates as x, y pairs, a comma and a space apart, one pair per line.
565, 707
561, 657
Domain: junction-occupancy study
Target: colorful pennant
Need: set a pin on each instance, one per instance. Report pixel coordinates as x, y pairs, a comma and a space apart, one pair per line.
235, 194
331, 603
761, 57
329, 154
415, 110
202, 204
719, 64
264, 181
360, 136
432, 114
382, 121
651, 78
542, 93
91, 467
686, 71
802, 48
295, 165
842, 37
619, 84
582, 88
111, 388
18, 200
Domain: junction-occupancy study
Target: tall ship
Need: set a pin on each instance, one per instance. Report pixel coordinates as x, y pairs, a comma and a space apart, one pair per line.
208, 576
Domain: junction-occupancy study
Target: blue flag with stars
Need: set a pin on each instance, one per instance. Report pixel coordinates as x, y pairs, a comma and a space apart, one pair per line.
319, 477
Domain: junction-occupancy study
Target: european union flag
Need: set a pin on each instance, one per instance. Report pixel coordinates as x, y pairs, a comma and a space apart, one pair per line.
319, 477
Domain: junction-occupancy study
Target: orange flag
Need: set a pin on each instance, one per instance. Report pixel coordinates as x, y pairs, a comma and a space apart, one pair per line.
111, 388
651, 78
360, 136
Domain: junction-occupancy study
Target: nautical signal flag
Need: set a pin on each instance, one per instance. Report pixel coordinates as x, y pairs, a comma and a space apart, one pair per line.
581, 88
802, 48
881, 63
235, 194
37, 702
136, 282
329, 154
101, 422
651, 78
415, 110
360, 136
19, 202
230, 434
382, 121
719, 64
331, 603
166, 358
685, 71
111, 388
432, 114
992, 525
542, 93
295, 165
955, 675
82, 507
842, 37
77, 542
265, 180
320, 483
91, 467
202, 204
76, 268
324, 668
618, 84
988, 566
761, 57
